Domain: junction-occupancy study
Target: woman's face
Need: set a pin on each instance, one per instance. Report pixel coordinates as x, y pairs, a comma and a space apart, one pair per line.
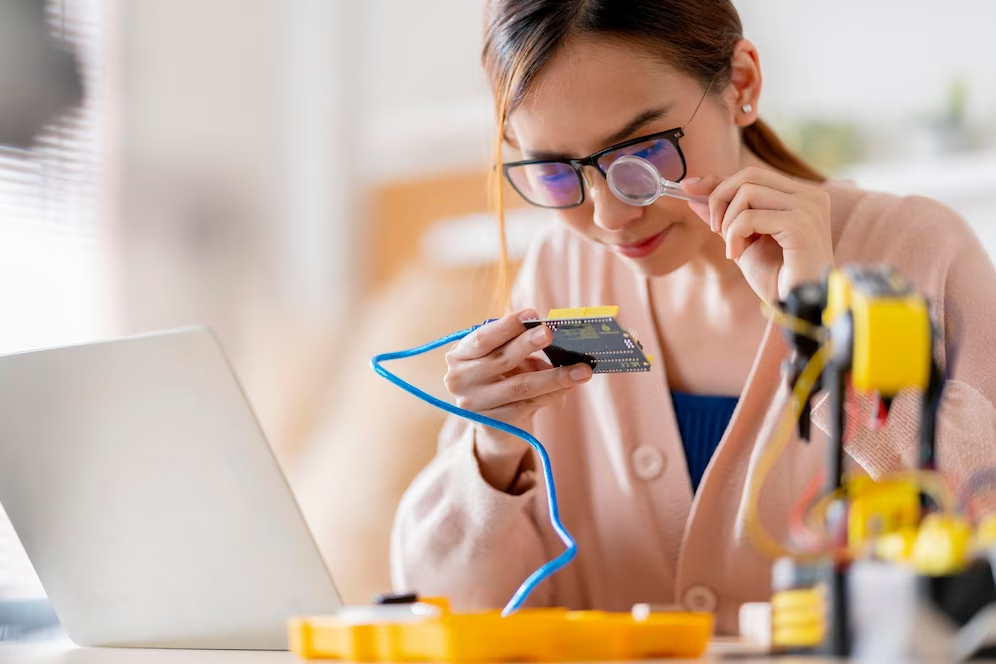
598, 92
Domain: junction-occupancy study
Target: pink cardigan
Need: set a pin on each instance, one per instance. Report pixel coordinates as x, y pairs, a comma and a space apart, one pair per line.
618, 461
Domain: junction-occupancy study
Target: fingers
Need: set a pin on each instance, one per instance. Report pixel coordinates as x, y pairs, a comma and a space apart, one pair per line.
519, 410
755, 210
492, 336
502, 362
724, 192
530, 364
525, 387
497, 371
749, 225
701, 186
757, 197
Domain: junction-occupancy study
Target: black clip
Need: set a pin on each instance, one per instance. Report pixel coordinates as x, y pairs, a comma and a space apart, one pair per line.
806, 302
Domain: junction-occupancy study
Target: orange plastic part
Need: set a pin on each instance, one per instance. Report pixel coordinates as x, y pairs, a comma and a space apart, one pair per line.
534, 635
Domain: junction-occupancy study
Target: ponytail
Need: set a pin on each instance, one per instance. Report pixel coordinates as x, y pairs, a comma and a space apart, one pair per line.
764, 143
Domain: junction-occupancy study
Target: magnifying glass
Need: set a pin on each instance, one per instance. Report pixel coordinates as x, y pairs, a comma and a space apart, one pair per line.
636, 181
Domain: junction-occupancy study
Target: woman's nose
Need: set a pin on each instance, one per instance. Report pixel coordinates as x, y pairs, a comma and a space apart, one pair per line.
611, 213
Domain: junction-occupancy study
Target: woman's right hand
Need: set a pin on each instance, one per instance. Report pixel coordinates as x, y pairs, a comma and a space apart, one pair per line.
494, 371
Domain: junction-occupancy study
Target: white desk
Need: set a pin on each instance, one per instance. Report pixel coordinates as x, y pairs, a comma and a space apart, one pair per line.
67, 653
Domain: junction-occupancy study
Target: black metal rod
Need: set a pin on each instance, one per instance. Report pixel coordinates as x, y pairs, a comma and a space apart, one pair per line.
838, 636
836, 384
840, 628
928, 423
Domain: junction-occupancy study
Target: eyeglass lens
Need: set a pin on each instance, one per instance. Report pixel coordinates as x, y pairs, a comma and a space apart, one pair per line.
549, 184
557, 185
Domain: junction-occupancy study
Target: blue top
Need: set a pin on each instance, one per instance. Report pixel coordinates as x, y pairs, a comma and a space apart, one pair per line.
702, 420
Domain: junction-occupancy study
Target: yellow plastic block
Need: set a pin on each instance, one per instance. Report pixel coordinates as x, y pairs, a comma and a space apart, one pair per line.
892, 341
897, 547
880, 508
798, 618
583, 312
809, 636
941, 548
533, 635
891, 346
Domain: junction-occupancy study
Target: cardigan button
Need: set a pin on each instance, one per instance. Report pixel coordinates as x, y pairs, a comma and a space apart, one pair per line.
648, 462
701, 598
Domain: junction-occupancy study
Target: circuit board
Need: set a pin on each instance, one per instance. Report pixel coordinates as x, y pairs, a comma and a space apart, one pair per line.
592, 335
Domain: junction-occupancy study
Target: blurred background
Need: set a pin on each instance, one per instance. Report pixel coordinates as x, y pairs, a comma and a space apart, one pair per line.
308, 178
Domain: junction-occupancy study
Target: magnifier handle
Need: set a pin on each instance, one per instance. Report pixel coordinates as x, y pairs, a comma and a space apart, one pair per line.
674, 190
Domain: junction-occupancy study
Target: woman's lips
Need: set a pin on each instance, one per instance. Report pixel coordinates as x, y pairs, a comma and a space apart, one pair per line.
643, 248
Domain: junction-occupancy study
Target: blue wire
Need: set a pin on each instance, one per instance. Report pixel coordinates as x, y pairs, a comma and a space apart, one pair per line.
552, 566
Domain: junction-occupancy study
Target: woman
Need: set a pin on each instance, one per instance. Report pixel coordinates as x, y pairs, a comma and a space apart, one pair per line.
653, 468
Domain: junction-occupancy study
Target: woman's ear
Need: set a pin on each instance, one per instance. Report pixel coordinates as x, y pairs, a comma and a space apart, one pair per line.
745, 83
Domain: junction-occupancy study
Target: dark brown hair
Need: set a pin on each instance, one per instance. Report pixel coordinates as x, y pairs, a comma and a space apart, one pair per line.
695, 36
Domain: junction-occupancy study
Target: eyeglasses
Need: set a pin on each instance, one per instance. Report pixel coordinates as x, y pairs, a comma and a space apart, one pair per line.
559, 183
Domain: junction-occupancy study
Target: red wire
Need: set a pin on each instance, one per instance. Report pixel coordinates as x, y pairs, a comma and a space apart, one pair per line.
797, 515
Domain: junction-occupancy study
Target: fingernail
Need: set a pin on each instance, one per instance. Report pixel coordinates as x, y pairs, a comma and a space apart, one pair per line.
528, 314
579, 374
712, 222
538, 336
693, 180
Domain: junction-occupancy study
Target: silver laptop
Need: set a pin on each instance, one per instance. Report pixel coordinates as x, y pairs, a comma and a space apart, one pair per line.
148, 500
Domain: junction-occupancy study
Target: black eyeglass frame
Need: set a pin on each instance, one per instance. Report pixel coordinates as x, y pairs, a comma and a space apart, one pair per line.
670, 135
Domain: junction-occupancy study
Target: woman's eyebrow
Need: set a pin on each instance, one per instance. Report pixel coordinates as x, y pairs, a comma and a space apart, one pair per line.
635, 125
625, 132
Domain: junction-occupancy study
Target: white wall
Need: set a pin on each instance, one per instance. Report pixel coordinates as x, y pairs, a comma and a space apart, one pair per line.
425, 98
880, 59
253, 99
420, 101
201, 79
295, 107
877, 62
421, 53
239, 206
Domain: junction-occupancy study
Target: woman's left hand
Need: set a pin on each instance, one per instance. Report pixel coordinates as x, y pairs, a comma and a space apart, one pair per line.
776, 229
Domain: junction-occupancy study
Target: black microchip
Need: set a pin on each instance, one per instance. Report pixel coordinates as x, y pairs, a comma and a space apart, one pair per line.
598, 342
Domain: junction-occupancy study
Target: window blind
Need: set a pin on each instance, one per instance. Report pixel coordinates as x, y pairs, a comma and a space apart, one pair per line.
52, 285
53, 255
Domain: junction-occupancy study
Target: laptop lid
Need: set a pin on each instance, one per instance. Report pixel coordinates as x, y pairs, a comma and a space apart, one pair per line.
148, 500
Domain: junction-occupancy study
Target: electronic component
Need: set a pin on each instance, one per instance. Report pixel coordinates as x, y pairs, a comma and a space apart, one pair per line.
879, 339
592, 335
529, 635
609, 338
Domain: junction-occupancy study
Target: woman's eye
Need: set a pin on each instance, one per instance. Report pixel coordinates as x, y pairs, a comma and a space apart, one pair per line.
650, 150
554, 178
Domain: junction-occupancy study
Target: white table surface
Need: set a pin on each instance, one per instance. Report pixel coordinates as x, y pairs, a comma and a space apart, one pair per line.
66, 653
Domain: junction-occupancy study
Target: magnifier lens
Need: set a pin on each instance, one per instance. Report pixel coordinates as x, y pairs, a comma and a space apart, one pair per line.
634, 180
